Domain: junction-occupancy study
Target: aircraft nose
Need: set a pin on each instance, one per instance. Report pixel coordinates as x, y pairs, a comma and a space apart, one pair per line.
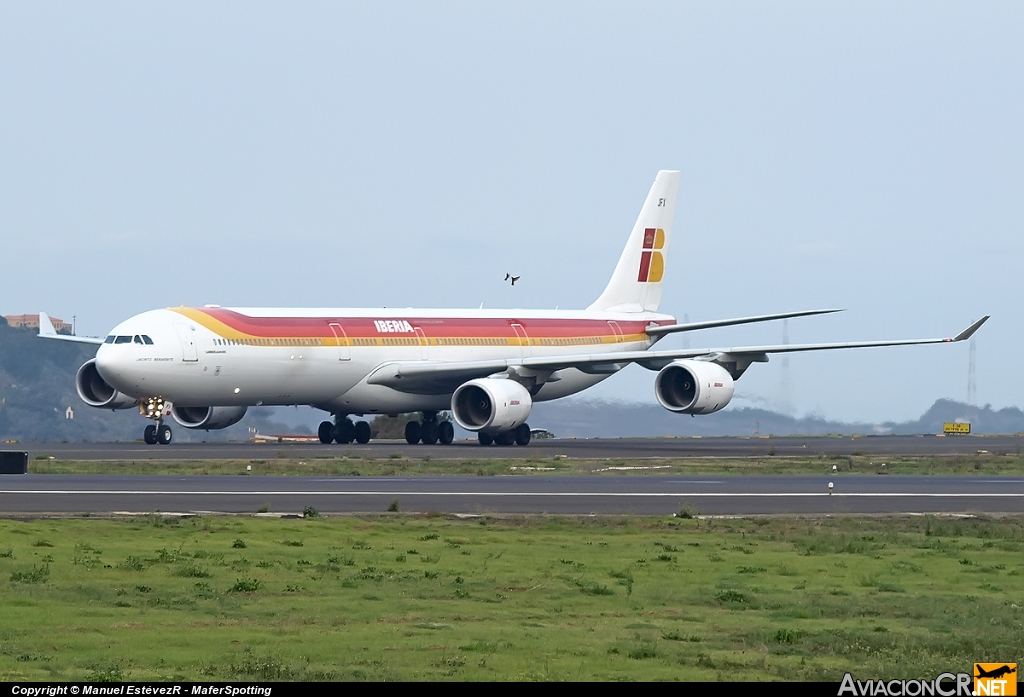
111, 366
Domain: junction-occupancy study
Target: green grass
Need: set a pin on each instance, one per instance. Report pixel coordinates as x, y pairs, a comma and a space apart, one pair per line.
417, 597
429, 464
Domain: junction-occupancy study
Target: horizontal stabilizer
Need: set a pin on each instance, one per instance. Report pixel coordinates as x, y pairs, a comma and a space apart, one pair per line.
47, 331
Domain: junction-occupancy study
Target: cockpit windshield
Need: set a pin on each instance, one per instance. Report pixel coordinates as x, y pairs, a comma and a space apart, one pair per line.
137, 339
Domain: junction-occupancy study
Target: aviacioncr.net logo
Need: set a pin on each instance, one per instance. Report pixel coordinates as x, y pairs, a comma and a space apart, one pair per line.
945, 685
995, 679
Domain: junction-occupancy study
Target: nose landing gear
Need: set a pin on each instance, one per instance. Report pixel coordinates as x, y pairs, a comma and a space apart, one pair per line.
156, 408
157, 433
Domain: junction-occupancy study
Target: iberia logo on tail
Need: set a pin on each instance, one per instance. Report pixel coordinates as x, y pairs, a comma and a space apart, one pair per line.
652, 262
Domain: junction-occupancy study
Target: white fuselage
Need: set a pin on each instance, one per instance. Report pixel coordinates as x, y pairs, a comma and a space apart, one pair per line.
322, 357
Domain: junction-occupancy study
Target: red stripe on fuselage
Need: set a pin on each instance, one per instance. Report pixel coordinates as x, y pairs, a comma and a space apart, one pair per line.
432, 327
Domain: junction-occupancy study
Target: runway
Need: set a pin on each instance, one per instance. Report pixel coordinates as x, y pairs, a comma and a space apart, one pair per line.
575, 495
596, 448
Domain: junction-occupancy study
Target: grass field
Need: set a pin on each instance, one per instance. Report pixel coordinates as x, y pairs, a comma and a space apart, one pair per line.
408, 597
429, 464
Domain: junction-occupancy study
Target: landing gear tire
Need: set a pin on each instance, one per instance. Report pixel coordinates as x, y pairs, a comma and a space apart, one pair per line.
344, 432
163, 435
428, 433
506, 438
484, 438
149, 435
326, 432
445, 432
522, 434
362, 432
412, 432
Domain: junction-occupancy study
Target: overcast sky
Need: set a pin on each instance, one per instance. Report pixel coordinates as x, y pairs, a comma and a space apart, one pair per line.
858, 155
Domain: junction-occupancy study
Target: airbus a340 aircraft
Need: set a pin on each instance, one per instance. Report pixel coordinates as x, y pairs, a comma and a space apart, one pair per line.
205, 366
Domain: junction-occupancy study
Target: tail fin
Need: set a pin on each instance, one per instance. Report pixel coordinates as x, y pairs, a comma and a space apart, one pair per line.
636, 284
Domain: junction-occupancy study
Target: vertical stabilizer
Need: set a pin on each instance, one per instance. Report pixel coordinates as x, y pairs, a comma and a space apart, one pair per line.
636, 284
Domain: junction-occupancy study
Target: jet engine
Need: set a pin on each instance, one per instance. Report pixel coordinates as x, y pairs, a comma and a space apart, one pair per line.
95, 391
491, 405
208, 418
693, 387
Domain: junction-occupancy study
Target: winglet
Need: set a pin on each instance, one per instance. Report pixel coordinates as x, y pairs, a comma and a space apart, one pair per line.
967, 333
45, 325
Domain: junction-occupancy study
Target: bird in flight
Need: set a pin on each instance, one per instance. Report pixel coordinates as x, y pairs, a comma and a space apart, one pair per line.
510, 277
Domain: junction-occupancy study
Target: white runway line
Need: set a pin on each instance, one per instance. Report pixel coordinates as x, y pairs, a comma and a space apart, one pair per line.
576, 494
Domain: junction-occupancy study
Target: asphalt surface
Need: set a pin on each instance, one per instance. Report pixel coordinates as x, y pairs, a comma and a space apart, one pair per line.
603, 448
639, 495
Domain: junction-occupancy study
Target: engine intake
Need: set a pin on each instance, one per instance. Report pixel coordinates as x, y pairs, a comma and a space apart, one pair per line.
95, 391
693, 387
208, 418
491, 405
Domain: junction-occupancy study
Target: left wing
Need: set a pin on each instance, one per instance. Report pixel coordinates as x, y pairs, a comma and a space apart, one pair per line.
437, 377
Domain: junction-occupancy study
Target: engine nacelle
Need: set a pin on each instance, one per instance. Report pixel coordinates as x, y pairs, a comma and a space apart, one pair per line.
491, 405
95, 391
693, 387
208, 418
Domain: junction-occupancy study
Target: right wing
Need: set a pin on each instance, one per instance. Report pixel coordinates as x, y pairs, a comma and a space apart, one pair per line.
438, 377
693, 326
47, 331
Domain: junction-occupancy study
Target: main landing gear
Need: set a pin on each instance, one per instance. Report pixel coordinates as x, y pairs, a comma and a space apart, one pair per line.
430, 431
517, 436
344, 431
157, 433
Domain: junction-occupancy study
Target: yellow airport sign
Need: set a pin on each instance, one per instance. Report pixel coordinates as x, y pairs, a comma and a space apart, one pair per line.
956, 428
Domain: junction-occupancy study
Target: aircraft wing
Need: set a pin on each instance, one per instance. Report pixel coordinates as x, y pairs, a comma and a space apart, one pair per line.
693, 326
437, 377
47, 331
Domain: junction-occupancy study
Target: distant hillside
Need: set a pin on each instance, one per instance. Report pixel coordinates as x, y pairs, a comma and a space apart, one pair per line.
585, 419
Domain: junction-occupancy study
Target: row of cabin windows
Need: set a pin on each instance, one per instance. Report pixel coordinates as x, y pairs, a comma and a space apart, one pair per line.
268, 342
570, 342
137, 339
375, 342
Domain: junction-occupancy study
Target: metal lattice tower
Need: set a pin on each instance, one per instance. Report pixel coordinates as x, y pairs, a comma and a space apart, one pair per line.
972, 396
785, 391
